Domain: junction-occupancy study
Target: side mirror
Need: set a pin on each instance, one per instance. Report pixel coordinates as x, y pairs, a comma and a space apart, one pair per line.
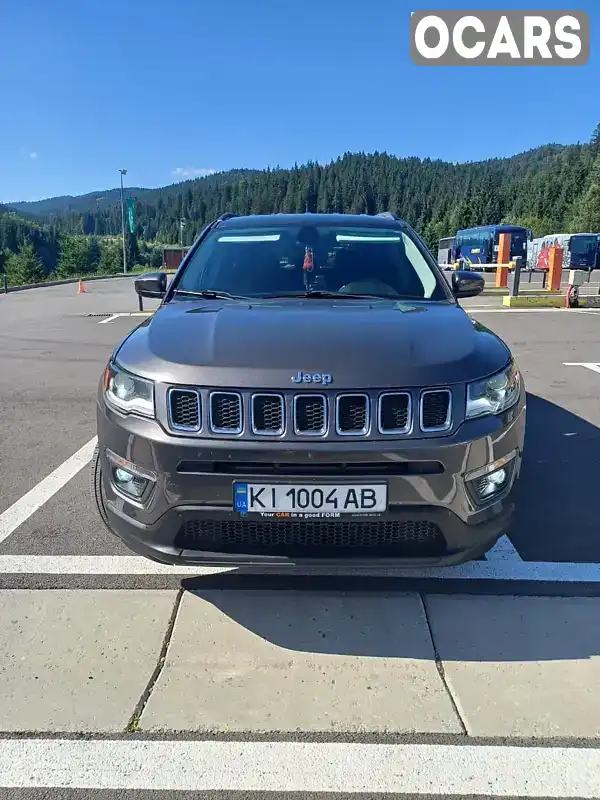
467, 284
152, 284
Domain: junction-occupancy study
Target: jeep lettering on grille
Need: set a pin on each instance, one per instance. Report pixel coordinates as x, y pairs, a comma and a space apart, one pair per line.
312, 377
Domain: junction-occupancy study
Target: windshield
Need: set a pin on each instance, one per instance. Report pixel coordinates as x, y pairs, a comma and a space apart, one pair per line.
292, 260
581, 245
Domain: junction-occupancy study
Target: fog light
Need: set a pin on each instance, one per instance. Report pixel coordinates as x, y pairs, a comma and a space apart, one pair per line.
485, 483
127, 477
129, 483
491, 483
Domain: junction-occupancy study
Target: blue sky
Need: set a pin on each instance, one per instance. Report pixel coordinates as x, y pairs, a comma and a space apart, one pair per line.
166, 89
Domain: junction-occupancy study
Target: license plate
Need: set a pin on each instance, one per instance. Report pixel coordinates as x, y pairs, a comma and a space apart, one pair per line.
298, 500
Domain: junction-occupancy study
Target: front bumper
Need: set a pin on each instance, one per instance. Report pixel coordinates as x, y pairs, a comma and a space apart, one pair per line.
153, 528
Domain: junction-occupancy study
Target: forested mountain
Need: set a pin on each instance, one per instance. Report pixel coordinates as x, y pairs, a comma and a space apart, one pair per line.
94, 202
53, 206
554, 188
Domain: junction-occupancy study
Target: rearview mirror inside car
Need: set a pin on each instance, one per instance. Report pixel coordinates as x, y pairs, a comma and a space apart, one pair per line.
467, 284
152, 284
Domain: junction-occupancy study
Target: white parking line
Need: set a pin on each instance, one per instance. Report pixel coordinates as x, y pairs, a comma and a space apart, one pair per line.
126, 314
205, 766
487, 310
503, 550
593, 365
27, 505
495, 570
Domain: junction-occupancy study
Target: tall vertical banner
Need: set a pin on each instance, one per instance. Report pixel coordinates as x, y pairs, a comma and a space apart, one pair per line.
131, 214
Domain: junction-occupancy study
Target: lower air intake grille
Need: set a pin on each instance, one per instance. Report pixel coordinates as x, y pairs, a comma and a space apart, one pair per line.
435, 410
226, 412
310, 417
311, 538
184, 405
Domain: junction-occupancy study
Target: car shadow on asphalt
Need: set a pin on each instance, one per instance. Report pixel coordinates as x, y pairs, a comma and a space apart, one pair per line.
556, 517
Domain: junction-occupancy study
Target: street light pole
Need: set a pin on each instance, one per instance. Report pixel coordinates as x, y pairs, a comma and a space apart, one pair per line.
123, 172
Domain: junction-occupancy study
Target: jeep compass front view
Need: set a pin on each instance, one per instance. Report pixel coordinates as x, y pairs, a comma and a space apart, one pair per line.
309, 391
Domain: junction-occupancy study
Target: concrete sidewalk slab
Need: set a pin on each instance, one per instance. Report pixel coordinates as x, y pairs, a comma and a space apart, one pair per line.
268, 661
521, 666
77, 660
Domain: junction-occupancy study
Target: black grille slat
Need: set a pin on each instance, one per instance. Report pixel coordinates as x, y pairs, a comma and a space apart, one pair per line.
310, 417
268, 414
352, 414
185, 409
312, 469
435, 408
312, 538
226, 412
394, 412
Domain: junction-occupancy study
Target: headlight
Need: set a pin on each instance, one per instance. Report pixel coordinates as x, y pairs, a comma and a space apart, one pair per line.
495, 394
128, 393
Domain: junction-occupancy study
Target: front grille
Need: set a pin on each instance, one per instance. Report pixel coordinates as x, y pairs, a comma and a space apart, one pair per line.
268, 416
311, 538
436, 411
368, 414
394, 412
184, 409
352, 414
310, 417
226, 412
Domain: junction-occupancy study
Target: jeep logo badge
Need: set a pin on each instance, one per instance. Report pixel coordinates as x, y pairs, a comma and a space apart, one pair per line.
312, 377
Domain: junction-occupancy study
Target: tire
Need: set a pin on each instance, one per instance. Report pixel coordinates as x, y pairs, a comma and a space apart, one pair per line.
96, 486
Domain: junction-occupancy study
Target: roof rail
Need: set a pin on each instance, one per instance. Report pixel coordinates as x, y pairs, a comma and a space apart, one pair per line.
388, 214
226, 215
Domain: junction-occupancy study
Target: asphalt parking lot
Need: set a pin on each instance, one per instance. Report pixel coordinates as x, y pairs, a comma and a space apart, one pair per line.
502, 651
54, 344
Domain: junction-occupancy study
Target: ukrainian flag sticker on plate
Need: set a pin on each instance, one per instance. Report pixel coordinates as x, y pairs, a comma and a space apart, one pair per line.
241, 497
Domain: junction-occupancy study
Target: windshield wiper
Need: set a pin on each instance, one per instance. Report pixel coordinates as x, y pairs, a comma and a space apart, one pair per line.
210, 294
323, 293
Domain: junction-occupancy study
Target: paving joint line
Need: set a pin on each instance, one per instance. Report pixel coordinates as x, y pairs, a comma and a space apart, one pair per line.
441, 671
134, 720
310, 737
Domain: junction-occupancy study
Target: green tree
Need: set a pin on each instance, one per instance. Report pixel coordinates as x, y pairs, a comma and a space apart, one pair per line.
111, 258
77, 254
586, 217
24, 267
595, 140
132, 249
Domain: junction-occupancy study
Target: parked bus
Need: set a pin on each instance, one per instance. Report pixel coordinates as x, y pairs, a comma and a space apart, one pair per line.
581, 250
480, 245
445, 247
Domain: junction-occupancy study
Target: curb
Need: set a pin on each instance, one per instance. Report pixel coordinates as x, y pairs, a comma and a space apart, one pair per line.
588, 301
535, 301
66, 281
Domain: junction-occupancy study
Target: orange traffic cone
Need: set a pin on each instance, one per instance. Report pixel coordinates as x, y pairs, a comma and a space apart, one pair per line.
81, 288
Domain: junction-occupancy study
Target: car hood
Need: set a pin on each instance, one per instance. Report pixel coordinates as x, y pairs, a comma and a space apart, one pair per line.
361, 344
